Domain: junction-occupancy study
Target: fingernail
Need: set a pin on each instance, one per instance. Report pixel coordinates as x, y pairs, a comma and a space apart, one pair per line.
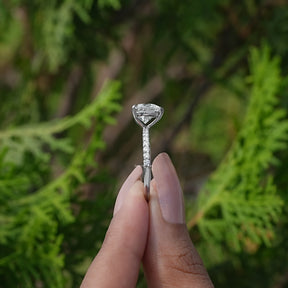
129, 182
168, 189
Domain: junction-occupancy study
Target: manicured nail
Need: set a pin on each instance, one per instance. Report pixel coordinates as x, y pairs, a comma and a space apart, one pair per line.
169, 190
129, 182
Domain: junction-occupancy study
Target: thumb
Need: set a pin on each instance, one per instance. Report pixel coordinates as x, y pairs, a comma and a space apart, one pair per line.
170, 259
118, 261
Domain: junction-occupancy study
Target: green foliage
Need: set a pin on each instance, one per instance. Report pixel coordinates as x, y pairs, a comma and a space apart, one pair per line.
53, 26
217, 122
58, 29
34, 202
115, 4
189, 57
32, 138
240, 206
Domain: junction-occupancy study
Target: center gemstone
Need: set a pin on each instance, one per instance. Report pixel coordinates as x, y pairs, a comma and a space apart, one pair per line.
147, 113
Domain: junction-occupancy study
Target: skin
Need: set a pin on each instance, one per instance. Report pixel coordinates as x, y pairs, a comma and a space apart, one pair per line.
153, 234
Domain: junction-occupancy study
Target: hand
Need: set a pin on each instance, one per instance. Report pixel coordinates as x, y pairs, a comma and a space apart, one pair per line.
153, 233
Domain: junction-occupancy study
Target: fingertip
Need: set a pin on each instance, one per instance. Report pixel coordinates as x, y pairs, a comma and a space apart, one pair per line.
170, 259
163, 156
118, 261
168, 189
127, 185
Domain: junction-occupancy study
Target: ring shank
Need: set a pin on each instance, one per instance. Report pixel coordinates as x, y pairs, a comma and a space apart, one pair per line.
147, 175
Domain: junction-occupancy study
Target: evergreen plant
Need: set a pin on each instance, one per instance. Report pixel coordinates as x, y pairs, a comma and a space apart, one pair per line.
225, 126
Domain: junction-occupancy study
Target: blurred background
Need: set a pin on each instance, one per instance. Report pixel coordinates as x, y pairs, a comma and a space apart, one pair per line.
70, 72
